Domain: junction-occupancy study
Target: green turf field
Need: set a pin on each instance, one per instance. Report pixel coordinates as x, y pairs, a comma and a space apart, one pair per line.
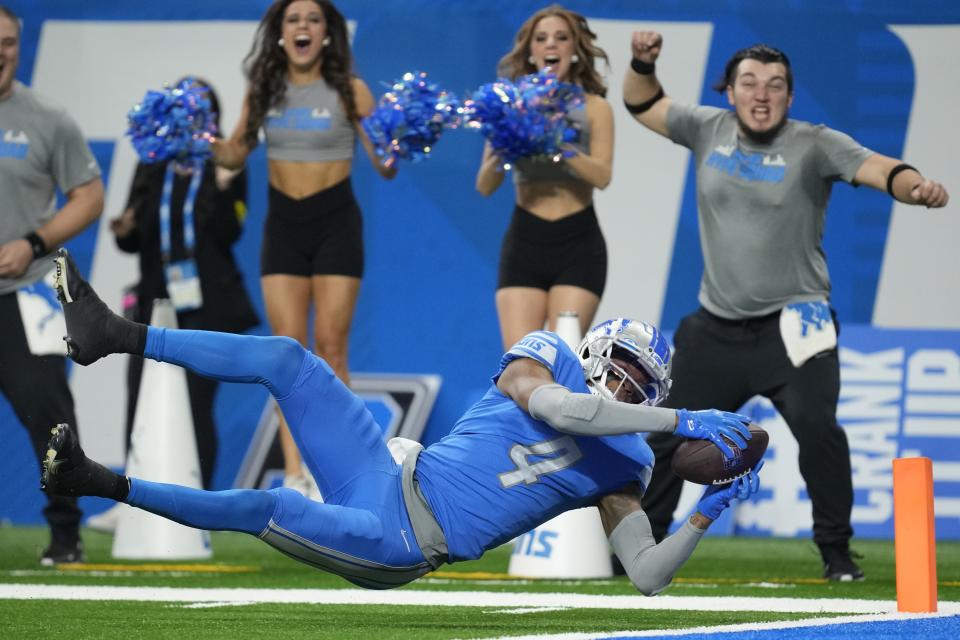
767, 568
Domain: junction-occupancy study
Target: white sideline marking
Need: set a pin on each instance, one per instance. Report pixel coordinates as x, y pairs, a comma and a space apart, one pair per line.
213, 605
412, 597
730, 628
524, 610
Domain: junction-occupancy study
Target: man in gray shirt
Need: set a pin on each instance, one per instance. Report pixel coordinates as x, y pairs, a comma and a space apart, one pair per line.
765, 326
41, 149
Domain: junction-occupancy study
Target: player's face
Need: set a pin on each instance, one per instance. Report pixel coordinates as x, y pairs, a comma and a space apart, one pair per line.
761, 98
625, 390
303, 30
552, 45
9, 54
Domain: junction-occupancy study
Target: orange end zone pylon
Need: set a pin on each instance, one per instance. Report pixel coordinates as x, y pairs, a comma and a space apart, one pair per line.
914, 537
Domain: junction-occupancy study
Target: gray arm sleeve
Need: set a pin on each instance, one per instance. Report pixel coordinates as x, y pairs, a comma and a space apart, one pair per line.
583, 414
650, 566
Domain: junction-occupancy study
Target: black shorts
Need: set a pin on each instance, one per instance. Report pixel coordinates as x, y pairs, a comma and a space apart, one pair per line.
321, 234
540, 254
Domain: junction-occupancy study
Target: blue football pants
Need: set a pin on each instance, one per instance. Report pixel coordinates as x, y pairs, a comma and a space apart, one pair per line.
361, 531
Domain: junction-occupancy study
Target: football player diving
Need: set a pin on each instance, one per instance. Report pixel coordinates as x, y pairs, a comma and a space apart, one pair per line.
557, 430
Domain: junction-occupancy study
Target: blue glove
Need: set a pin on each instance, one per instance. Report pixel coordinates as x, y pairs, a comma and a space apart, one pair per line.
711, 425
716, 498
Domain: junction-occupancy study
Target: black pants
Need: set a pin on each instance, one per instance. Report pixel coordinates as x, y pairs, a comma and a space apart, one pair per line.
720, 364
319, 235
36, 387
541, 254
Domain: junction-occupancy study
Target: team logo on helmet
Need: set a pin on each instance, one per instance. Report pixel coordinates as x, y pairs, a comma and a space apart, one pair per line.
639, 344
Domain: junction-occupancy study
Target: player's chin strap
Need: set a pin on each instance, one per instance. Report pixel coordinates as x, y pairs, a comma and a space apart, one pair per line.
583, 414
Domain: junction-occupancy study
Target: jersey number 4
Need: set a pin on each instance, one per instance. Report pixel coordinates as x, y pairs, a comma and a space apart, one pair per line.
553, 455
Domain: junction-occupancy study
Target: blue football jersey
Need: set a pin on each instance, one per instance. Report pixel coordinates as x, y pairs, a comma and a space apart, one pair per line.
500, 472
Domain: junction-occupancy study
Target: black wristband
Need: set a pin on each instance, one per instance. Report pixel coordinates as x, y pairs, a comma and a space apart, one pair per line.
637, 109
37, 245
903, 166
643, 68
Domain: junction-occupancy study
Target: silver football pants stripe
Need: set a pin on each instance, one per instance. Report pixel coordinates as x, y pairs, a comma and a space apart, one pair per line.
361, 572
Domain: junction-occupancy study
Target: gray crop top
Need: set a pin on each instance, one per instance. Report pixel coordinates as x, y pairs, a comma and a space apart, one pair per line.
546, 170
309, 126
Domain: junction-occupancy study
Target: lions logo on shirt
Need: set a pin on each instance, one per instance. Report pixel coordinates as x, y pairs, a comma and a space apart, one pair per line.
752, 167
14, 144
301, 119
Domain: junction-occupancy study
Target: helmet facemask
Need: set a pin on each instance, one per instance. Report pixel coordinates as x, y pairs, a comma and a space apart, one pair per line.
633, 353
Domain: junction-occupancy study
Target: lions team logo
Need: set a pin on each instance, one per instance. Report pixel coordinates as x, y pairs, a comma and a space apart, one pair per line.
14, 144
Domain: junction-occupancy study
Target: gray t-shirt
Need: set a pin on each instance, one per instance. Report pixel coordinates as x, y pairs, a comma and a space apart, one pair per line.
309, 126
762, 208
41, 148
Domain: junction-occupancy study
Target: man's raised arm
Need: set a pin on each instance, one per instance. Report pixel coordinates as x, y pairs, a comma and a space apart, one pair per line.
643, 95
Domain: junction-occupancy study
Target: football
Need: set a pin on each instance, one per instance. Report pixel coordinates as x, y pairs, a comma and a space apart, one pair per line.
702, 462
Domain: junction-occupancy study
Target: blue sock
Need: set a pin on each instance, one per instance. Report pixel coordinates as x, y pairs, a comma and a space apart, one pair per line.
246, 510
269, 360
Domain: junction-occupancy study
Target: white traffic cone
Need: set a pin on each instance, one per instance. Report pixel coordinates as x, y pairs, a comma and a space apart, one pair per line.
163, 448
568, 328
572, 545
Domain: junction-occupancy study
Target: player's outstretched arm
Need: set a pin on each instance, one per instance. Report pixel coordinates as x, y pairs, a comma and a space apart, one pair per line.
584, 414
531, 386
651, 566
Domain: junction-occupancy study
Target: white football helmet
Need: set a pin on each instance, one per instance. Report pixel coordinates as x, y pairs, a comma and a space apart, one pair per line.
638, 343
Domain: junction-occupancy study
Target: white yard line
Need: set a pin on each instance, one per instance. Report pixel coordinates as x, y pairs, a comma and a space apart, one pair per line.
410, 597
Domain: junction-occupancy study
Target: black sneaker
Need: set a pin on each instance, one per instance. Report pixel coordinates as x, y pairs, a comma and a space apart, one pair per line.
58, 553
91, 325
838, 565
67, 471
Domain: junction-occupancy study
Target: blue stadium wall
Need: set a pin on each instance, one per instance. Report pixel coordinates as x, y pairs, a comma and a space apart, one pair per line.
432, 242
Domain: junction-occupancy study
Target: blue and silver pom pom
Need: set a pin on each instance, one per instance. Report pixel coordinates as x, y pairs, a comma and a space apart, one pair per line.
173, 124
526, 118
409, 119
